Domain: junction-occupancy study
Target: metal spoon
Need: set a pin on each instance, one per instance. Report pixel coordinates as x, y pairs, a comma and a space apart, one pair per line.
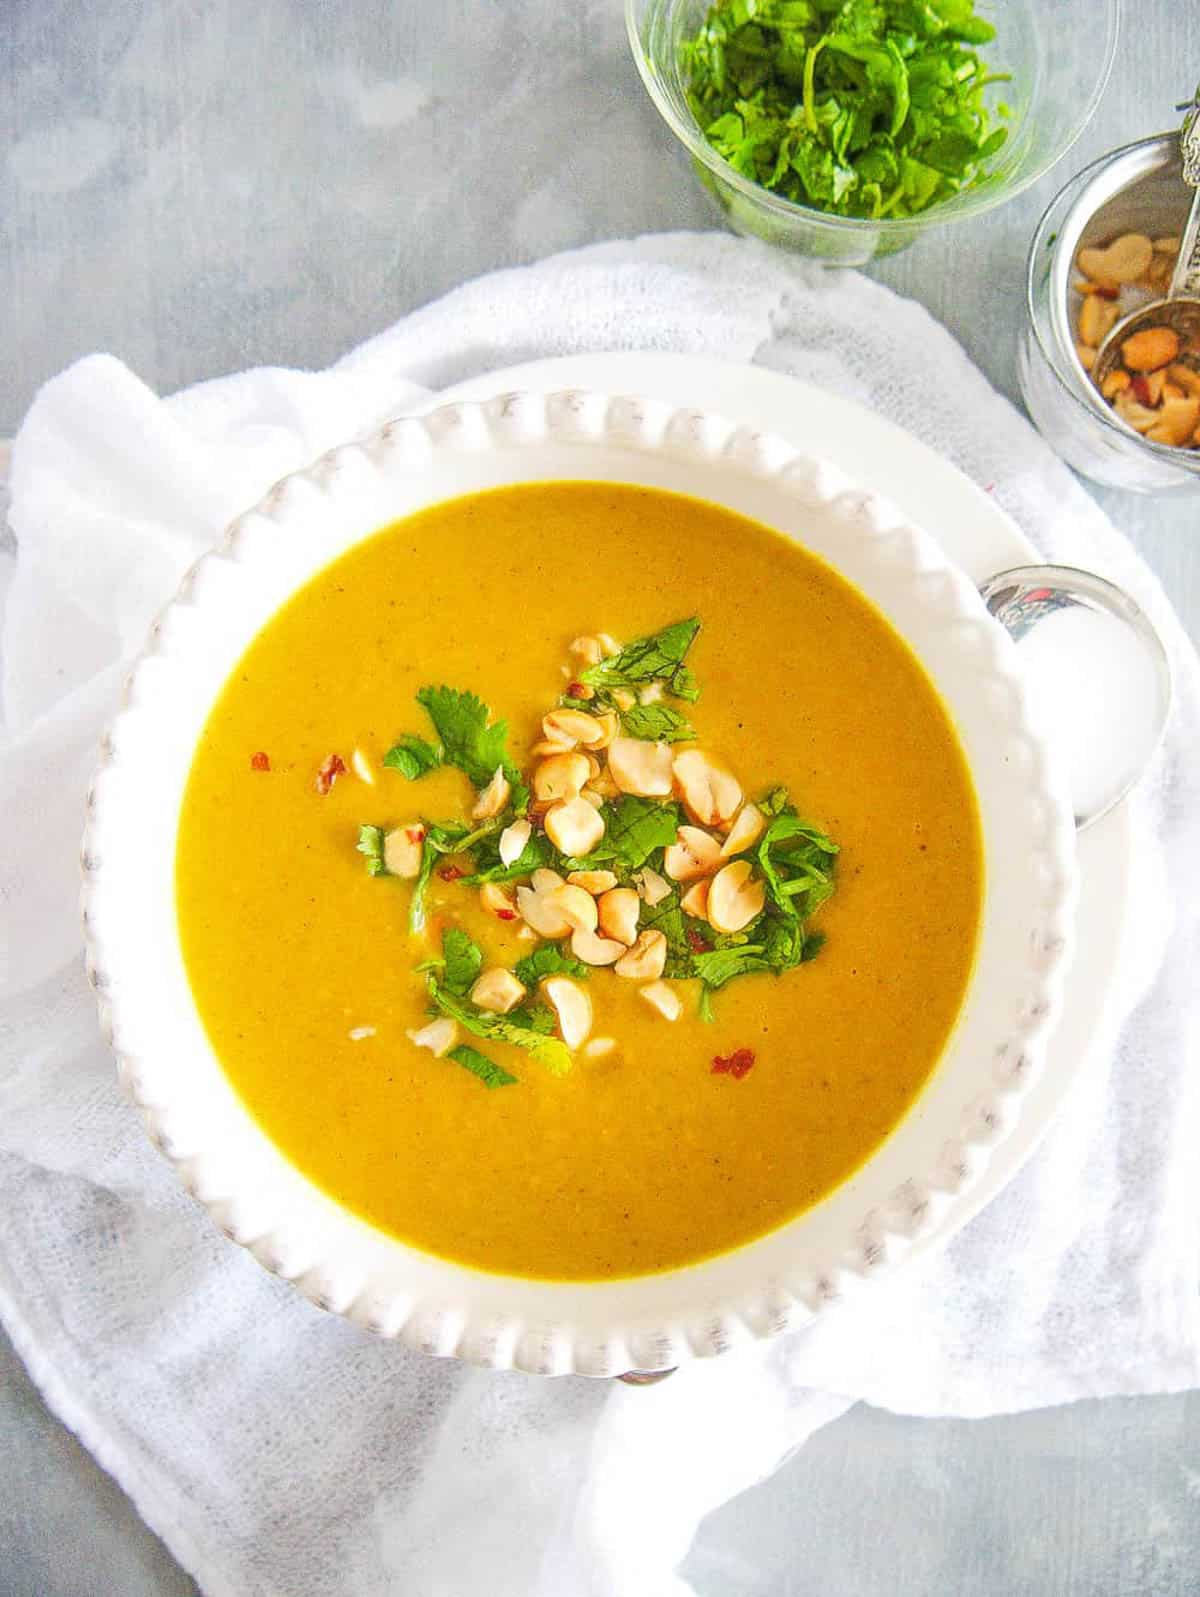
1099, 677
1180, 310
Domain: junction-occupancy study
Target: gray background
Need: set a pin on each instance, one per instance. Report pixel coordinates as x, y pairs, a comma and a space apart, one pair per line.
198, 185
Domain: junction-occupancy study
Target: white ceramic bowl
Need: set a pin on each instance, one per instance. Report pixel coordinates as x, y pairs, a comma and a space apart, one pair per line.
340, 1262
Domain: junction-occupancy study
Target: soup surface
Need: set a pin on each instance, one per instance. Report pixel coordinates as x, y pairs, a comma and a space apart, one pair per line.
646, 1157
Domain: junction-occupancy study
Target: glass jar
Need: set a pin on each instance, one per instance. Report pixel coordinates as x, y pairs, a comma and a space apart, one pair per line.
1136, 189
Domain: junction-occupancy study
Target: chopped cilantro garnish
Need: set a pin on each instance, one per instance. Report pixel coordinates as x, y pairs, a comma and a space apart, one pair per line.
634, 828
658, 658
461, 722
370, 843
462, 960
547, 1051
657, 723
869, 108
488, 866
413, 756
548, 960
488, 1071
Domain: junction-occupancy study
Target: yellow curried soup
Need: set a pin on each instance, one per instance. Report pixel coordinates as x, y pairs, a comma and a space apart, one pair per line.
643, 1158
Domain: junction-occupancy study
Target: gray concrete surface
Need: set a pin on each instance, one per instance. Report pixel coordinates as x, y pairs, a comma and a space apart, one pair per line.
197, 185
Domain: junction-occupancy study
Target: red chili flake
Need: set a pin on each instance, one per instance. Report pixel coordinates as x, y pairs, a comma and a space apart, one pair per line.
332, 767
1141, 389
415, 834
260, 761
697, 941
738, 1064
506, 914
451, 873
1105, 291
576, 690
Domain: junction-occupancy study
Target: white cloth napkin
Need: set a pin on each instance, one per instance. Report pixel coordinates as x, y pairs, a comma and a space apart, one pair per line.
279, 1450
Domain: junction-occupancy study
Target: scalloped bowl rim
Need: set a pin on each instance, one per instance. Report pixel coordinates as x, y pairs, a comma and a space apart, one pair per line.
938, 1150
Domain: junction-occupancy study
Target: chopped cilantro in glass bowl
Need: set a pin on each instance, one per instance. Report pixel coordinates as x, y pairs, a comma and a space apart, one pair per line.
841, 129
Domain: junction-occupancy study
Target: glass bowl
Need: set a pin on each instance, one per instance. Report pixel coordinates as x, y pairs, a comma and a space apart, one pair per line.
1052, 95
1136, 189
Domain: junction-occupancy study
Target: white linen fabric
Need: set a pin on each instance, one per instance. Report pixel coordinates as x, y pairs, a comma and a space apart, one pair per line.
277, 1449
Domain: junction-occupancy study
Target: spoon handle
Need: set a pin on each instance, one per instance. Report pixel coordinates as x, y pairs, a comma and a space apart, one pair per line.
1186, 277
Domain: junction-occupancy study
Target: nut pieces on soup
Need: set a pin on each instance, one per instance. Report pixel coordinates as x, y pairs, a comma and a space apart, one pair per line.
615, 847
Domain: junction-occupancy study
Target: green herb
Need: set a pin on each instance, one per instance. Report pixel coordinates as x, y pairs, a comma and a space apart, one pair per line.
656, 723
658, 658
462, 960
413, 757
634, 828
468, 742
489, 867
548, 960
549, 1052
796, 860
866, 108
488, 1071
442, 837
668, 918
370, 843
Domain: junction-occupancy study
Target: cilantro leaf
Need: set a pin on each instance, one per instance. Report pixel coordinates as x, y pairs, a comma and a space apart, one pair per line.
656, 723
867, 108
370, 843
548, 960
462, 960
658, 658
488, 1071
468, 742
412, 756
549, 1052
634, 828
538, 851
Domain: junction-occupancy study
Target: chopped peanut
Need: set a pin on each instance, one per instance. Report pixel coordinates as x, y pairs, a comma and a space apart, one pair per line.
562, 776
572, 1008
361, 767
646, 960
599, 1047
749, 825
403, 847
695, 900
652, 887
1151, 348
710, 795
1185, 377
1176, 422
593, 950
663, 998
513, 840
619, 909
439, 1036
497, 990
1096, 318
577, 725
593, 882
693, 853
1114, 382
574, 827
537, 910
587, 650
640, 768
651, 693
1125, 260
734, 900
497, 902
623, 699
576, 906
608, 645
493, 798
1087, 356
